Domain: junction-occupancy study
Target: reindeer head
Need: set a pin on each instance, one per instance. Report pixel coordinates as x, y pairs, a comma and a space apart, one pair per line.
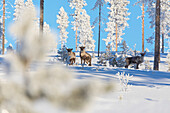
142, 54
69, 50
82, 48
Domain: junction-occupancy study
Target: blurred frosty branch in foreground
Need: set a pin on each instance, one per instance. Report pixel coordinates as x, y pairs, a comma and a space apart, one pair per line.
28, 83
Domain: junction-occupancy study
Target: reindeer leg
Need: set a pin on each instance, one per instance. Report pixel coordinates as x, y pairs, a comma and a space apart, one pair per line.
137, 66
81, 61
90, 62
74, 60
127, 63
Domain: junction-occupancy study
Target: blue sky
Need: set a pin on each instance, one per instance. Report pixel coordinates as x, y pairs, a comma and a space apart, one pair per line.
133, 34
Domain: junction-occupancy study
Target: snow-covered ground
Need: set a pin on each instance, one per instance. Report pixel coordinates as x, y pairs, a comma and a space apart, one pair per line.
147, 92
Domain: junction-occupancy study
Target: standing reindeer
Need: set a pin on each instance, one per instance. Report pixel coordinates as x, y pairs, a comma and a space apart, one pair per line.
85, 56
135, 60
71, 56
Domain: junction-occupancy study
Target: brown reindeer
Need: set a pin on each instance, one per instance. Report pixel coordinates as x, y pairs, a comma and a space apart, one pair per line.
84, 56
135, 60
71, 56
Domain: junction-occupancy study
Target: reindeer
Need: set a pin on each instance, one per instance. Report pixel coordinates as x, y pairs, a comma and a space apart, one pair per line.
135, 60
71, 56
85, 56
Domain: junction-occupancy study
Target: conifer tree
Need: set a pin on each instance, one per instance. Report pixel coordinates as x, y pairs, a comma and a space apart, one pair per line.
19, 6
85, 32
99, 3
143, 4
41, 14
3, 33
78, 6
117, 22
164, 20
62, 20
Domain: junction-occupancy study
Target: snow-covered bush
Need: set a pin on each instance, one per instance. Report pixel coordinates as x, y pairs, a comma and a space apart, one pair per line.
125, 49
168, 61
105, 57
118, 60
63, 53
147, 65
109, 59
124, 80
10, 48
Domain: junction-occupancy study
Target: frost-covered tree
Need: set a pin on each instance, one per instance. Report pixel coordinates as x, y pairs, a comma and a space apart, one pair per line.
29, 4
99, 3
85, 32
62, 20
117, 22
78, 6
164, 19
4, 16
125, 48
41, 14
81, 24
1, 33
143, 2
19, 5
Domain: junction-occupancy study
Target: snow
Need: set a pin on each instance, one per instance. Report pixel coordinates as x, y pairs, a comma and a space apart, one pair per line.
147, 91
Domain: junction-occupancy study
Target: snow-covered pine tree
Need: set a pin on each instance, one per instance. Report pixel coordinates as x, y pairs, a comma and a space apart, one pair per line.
85, 32
19, 5
1, 32
125, 48
164, 19
99, 3
78, 6
29, 4
117, 22
62, 20
143, 4
41, 15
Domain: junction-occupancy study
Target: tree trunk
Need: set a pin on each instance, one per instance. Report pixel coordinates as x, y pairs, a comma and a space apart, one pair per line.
41, 15
157, 36
116, 37
99, 29
143, 12
3, 34
76, 38
162, 40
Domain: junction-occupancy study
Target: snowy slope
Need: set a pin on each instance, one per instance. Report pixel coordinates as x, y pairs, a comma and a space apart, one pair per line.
148, 91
